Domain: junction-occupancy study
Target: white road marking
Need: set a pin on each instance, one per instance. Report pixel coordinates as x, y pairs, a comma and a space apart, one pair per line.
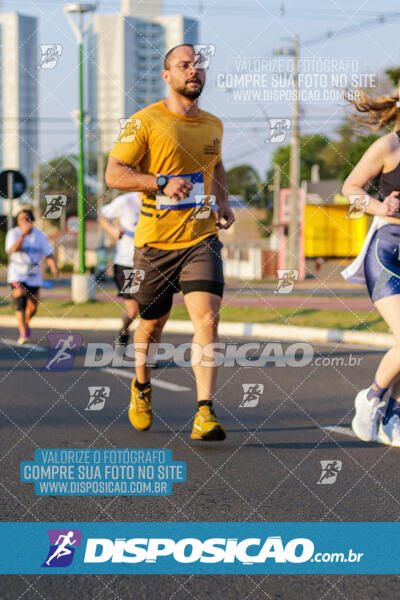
165, 385
8, 342
342, 430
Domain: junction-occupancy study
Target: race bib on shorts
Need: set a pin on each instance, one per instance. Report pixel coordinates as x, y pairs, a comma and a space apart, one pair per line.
196, 197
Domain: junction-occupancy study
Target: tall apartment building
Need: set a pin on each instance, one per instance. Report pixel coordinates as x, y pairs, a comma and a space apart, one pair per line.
124, 58
18, 92
124, 61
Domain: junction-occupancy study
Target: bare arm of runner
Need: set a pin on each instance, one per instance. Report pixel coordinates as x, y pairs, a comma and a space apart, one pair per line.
219, 189
112, 230
51, 261
371, 164
26, 228
121, 176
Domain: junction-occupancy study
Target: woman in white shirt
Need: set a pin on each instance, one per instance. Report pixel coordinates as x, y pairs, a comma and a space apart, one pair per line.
125, 208
27, 246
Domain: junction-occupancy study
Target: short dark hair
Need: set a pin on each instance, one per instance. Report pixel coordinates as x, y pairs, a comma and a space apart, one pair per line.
166, 57
28, 212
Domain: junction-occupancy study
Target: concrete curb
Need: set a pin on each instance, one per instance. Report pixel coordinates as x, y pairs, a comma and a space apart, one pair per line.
227, 329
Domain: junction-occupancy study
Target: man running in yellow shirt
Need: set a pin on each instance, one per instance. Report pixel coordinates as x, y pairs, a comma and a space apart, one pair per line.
171, 152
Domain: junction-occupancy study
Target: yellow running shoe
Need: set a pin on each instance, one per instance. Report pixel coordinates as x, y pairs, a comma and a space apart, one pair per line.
140, 411
207, 427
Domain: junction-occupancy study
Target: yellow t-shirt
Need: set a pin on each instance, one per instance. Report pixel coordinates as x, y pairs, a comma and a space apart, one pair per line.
157, 141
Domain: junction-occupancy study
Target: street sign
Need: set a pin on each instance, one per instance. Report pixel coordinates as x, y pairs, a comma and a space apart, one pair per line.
73, 224
12, 183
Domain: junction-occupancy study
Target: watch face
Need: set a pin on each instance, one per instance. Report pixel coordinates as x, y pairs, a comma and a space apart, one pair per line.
162, 181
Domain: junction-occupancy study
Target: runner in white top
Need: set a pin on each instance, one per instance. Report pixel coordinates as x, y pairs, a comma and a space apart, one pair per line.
125, 208
27, 246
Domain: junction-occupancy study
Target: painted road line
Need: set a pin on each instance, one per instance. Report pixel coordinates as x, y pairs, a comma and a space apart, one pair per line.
342, 430
34, 347
165, 385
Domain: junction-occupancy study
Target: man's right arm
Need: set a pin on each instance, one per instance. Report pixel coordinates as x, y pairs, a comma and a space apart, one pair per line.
14, 246
121, 176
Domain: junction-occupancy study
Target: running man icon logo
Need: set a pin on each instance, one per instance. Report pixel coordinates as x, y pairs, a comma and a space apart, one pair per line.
203, 54
251, 394
55, 204
204, 205
62, 350
50, 55
330, 469
98, 396
357, 205
63, 543
286, 280
278, 129
133, 279
129, 129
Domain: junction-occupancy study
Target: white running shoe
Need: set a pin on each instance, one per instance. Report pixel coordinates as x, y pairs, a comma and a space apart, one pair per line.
365, 420
389, 433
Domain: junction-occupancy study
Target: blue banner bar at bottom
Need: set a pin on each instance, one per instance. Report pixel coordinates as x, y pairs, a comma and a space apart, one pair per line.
199, 548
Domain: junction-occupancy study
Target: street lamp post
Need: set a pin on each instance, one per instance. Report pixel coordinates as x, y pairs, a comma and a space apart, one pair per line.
292, 256
82, 290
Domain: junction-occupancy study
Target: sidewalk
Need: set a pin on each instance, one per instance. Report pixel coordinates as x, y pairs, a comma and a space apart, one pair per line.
259, 331
256, 297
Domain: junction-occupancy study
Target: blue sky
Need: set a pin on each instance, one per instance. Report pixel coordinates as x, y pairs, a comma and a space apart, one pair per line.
242, 31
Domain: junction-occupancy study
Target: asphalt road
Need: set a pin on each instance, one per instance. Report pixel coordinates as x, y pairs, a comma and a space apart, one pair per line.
266, 470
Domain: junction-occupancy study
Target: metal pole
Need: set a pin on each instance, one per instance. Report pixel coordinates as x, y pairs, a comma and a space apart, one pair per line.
100, 189
10, 190
81, 189
293, 239
277, 186
36, 189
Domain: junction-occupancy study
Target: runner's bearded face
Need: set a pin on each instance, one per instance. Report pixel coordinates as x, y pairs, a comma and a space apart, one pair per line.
185, 79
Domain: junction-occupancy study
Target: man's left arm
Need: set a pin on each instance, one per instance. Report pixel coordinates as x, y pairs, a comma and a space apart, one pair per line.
51, 261
219, 189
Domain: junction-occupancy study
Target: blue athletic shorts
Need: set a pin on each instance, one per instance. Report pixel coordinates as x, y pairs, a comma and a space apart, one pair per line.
382, 263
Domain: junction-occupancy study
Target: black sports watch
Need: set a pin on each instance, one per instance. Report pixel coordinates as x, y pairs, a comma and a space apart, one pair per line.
161, 182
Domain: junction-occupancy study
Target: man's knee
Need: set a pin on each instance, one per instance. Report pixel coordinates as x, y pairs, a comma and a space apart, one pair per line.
154, 326
208, 319
132, 312
32, 305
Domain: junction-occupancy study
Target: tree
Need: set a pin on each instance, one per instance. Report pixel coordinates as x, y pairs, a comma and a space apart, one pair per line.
58, 175
244, 181
311, 152
393, 75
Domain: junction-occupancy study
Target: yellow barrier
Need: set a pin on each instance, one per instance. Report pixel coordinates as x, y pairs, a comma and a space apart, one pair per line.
327, 233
